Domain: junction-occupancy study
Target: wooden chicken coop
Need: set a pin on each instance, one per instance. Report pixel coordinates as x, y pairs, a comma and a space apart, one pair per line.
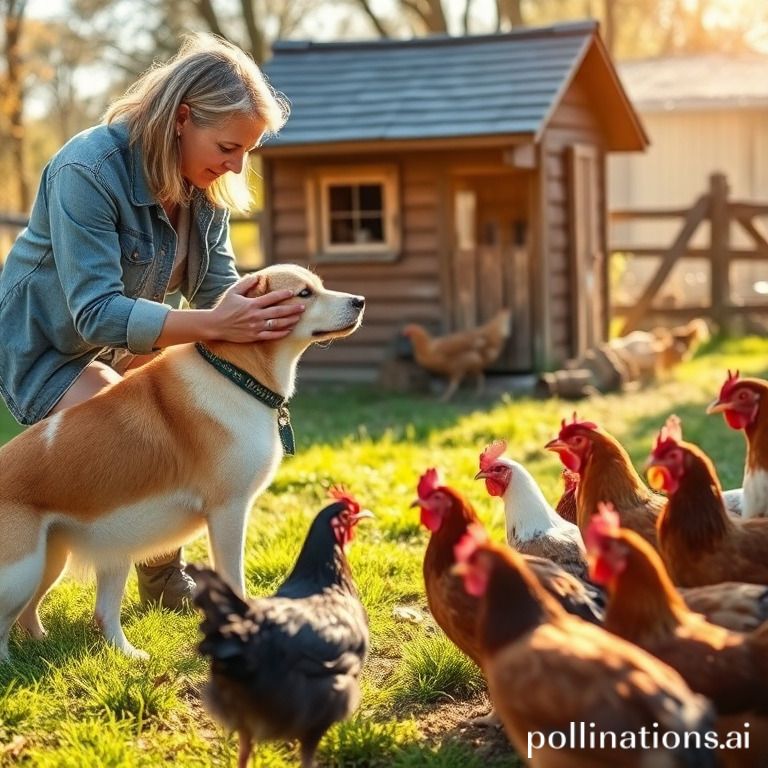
446, 177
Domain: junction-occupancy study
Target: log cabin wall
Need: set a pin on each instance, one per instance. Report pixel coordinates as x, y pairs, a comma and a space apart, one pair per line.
418, 286
407, 289
573, 127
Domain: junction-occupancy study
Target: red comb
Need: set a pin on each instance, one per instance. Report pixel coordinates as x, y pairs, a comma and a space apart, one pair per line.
604, 524
491, 453
729, 384
340, 493
475, 537
670, 434
428, 484
566, 428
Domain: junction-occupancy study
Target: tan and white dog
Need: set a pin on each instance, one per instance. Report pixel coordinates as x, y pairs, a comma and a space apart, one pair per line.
140, 469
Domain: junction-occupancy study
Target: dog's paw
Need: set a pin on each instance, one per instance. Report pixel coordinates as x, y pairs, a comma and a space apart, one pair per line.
134, 653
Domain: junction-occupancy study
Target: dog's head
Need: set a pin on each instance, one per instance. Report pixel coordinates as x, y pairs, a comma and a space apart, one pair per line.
327, 315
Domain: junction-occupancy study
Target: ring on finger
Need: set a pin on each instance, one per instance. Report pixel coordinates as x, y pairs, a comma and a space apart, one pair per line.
269, 324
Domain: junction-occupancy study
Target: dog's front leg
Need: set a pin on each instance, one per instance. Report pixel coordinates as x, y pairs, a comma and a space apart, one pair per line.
110, 585
226, 540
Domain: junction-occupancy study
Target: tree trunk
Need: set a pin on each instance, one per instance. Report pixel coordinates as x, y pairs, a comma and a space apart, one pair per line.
14, 95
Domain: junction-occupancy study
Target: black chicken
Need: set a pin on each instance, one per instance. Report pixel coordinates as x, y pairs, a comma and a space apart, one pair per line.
288, 666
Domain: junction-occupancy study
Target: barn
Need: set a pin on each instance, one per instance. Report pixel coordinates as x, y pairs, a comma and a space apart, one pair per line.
705, 113
446, 177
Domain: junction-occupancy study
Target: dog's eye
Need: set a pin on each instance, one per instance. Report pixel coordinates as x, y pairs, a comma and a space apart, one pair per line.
305, 293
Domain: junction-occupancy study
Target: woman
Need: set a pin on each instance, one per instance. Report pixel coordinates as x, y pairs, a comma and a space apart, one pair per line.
127, 212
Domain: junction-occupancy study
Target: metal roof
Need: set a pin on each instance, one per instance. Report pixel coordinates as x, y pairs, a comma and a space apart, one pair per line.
429, 88
704, 81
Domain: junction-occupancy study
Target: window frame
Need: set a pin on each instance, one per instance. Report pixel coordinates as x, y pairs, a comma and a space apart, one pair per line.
320, 228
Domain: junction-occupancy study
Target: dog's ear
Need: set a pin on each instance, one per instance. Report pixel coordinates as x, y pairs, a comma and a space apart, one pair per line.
259, 287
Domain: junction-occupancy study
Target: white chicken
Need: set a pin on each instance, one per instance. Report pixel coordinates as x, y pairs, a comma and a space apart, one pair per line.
533, 526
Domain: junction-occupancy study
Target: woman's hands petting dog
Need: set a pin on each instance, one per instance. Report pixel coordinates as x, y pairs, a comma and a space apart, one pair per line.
241, 316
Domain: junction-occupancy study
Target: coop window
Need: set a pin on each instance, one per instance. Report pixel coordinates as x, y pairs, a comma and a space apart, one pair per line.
357, 214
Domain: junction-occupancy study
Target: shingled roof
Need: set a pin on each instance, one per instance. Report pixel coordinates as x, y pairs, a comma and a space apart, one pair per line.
442, 87
703, 81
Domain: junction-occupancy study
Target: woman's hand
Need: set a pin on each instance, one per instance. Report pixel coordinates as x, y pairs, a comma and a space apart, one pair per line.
242, 318
237, 317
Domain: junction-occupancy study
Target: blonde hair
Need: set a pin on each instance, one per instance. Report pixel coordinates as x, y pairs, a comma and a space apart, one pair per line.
216, 80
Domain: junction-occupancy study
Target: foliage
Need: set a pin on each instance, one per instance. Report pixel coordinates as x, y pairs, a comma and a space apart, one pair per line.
71, 701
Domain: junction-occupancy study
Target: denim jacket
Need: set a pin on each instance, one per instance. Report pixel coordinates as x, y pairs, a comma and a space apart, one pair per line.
90, 271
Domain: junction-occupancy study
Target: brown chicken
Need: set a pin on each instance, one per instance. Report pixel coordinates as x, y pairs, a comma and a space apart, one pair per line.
699, 542
731, 604
459, 354
744, 404
729, 668
446, 513
606, 474
547, 670
566, 504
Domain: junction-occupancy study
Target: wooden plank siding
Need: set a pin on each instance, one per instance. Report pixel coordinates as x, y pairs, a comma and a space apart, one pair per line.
573, 123
407, 289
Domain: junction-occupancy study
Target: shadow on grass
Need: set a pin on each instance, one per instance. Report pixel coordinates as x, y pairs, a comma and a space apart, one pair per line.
329, 414
33, 661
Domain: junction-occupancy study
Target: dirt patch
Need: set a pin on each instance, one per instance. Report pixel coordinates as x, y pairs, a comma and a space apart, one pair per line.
452, 720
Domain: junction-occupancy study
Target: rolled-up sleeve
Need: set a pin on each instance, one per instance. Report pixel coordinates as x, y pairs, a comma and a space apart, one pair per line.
222, 271
86, 250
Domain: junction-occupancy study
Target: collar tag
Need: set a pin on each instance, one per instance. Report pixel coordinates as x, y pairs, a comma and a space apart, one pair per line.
285, 430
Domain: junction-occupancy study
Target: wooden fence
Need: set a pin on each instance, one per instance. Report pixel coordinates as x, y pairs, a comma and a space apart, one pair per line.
717, 208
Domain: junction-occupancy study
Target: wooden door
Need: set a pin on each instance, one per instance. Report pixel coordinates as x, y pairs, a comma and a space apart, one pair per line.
490, 266
587, 257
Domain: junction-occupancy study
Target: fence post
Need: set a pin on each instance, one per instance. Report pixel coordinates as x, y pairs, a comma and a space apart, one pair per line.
720, 246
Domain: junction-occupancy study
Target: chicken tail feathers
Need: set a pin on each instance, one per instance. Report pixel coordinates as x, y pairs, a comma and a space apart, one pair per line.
225, 624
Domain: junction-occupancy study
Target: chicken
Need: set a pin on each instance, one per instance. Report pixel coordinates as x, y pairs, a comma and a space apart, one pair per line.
643, 351
744, 404
732, 604
446, 513
727, 667
699, 542
645, 608
456, 355
566, 504
547, 670
288, 666
606, 474
533, 527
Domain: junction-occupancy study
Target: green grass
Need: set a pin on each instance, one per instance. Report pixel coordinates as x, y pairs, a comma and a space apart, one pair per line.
72, 701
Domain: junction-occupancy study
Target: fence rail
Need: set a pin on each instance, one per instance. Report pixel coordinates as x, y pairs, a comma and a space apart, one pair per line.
716, 208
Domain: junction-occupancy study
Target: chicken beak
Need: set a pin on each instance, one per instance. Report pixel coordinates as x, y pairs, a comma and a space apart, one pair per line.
415, 503
362, 515
481, 474
556, 445
459, 569
717, 406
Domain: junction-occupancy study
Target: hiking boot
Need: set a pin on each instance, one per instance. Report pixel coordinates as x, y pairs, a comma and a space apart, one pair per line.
166, 584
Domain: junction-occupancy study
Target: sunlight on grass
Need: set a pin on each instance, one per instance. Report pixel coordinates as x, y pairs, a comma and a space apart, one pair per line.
433, 668
73, 701
363, 743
